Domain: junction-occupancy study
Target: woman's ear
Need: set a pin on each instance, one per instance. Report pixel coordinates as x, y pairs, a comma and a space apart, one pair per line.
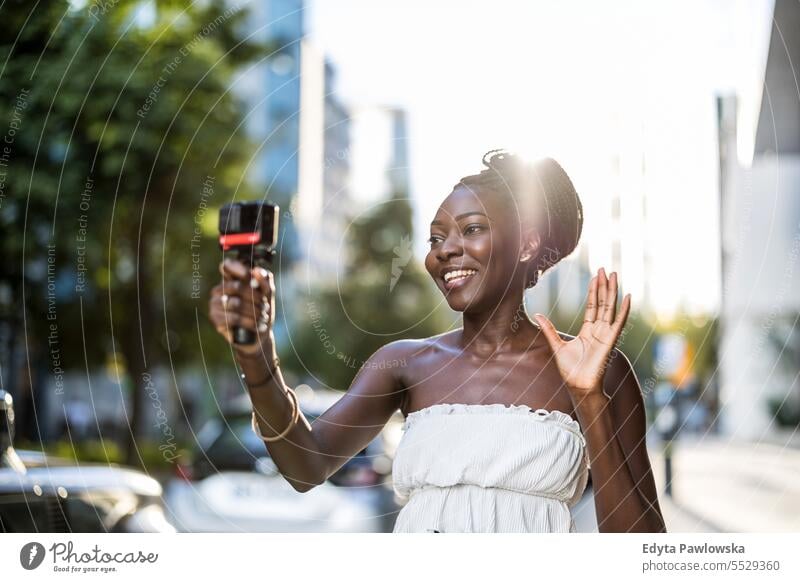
530, 245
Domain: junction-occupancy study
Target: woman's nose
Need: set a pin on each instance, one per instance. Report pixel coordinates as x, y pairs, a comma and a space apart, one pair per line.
452, 245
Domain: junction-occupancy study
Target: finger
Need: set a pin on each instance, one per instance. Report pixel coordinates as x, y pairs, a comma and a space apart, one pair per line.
253, 301
231, 288
234, 303
224, 332
549, 331
223, 320
222, 314
252, 304
266, 280
255, 306
233, 269
233, 319
258, 313
217, 317
226, 320
248, 299
591, 302
213, 298
218, 307
602, 292
611, 299
624, 311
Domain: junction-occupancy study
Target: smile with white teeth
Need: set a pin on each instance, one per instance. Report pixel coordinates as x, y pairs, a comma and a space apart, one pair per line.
458, 275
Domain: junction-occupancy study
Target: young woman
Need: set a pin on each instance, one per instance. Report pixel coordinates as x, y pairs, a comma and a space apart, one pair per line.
505, 415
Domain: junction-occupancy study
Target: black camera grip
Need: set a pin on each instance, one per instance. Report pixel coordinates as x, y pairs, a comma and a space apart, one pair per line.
249, 233
243, 336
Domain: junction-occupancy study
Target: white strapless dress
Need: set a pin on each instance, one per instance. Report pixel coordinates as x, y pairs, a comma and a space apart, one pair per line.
489, 468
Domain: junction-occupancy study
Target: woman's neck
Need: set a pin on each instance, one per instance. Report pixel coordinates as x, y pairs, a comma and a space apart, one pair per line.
505, 329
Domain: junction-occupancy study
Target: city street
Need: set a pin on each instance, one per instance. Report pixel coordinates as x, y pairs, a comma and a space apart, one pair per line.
723, 486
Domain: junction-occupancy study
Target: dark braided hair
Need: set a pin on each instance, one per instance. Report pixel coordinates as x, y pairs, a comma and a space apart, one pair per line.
543, 183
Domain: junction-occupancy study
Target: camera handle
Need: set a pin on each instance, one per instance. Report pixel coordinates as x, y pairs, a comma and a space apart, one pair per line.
249, 234
257, 258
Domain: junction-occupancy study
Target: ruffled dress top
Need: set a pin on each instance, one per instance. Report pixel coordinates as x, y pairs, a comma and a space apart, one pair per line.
489, 468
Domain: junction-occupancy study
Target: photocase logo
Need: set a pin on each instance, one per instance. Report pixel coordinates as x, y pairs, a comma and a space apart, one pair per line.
402, 254
31, 555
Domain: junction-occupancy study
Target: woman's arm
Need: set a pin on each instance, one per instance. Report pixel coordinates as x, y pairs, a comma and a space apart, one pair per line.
308, 455
625, 494
608, 401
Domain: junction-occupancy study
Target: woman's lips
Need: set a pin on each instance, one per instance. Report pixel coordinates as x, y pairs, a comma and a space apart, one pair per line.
458, 282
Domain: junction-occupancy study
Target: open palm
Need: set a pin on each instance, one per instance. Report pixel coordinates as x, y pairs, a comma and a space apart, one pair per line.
582, 360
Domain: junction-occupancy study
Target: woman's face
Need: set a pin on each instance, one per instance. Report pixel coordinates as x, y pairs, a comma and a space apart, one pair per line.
479, 236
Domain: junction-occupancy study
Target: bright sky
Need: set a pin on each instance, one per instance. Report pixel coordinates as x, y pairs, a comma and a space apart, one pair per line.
579, 81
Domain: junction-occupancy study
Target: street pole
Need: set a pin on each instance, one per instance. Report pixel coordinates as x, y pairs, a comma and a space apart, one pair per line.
667, 424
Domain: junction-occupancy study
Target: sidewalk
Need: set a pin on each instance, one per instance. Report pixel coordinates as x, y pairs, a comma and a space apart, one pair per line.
732, 486
722, 486
677, 519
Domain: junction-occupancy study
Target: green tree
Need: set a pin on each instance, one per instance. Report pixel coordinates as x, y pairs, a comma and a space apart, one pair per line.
128, 140
383, 295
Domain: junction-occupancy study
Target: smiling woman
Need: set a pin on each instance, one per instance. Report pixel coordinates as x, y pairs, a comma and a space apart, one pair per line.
504, 416
535, 205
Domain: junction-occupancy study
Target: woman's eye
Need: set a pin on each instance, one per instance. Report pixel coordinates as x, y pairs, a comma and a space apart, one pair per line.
433, 240
470, 228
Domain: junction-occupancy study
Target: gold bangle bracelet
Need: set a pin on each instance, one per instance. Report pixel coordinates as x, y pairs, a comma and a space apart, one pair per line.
292, 422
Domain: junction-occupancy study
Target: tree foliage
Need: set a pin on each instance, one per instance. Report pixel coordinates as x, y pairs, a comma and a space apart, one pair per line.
383, 295
127, 137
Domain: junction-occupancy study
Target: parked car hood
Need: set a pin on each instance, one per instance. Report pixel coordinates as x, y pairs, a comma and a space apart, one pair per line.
54, 472
240, 494
98, 477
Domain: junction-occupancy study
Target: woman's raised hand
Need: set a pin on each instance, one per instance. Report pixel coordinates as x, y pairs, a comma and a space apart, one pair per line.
582, 361
245, 298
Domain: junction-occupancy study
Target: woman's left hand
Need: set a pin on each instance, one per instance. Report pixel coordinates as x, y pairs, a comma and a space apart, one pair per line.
582, 361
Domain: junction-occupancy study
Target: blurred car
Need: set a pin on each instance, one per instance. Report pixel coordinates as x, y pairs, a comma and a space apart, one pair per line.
227, 443
46, 494
231, 483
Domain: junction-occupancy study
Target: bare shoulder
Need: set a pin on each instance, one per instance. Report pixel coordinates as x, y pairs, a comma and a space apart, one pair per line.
414, 348
398, 355
393, 352
381, 375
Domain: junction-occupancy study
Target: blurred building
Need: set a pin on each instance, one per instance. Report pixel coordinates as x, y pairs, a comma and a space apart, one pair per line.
759, 348
337, 208
629, 222
613, 187
562, 289
302, 160
271, 89
398, 173
379, 154
324, 207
